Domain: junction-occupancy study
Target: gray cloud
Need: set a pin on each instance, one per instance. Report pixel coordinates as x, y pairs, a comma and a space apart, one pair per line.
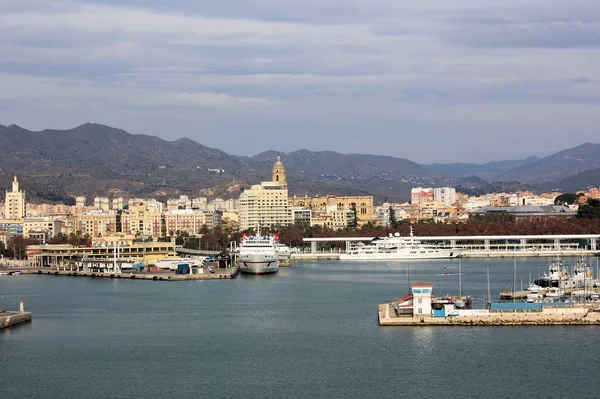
580, 79
346, 75
546, 35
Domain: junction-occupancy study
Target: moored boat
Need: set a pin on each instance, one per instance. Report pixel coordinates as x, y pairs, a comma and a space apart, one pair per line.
395, 247
258, 254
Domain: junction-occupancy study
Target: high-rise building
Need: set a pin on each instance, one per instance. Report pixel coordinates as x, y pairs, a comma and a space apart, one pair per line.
143, 220
444, 195
266, 204
102, 203
14, 205
117, 204
80, 201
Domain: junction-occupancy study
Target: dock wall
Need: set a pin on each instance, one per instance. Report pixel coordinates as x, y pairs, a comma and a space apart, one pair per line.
548, 316
9, 319
220, 274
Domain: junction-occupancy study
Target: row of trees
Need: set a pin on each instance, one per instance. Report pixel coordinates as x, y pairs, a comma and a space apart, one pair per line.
16, 247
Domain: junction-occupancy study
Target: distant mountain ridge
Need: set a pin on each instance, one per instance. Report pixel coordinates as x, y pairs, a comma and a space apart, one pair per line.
488, 171
94, 159
98, 160
557, 166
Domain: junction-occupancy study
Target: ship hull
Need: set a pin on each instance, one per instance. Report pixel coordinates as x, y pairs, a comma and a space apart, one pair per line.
257, 264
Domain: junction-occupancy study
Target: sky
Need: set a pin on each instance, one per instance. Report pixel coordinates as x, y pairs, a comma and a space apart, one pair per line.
428, 80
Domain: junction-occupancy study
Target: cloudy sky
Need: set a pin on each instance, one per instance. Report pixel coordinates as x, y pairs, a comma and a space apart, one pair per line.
428, 80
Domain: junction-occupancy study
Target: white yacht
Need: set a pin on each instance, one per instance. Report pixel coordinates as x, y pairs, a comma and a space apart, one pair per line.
395, 247
258, 255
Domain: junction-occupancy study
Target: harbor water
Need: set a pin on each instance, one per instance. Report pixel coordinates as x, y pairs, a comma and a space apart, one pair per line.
308, 331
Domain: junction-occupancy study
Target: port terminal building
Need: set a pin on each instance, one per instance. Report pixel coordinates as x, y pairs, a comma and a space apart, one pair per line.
121, 246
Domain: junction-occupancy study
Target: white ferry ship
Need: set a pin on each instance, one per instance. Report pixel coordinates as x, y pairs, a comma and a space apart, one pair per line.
395, 247
258, 255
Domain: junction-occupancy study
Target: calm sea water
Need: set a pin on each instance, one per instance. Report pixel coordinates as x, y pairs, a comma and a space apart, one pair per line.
308, 331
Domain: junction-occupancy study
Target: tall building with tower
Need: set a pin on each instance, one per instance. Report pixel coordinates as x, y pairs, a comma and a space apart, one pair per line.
14, 205
266, 204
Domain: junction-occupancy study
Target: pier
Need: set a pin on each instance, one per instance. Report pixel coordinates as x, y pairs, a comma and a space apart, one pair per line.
575, 315
419, 308
9, 319
219, 274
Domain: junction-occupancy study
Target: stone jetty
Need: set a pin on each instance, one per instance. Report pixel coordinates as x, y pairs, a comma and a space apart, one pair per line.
9, 319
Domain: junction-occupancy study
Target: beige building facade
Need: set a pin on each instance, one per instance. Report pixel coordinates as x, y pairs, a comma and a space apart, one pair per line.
330, 204
14, 204
142, 220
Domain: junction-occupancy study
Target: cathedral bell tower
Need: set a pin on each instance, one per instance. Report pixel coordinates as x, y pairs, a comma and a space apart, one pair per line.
279, 173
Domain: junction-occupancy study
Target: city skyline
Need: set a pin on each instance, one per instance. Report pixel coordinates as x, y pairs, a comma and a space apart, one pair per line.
429, 82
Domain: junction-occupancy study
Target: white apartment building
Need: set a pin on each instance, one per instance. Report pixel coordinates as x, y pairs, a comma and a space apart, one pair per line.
183, 202
102, 203
444, 195
199, 203
117, 204
14, 204
80, 201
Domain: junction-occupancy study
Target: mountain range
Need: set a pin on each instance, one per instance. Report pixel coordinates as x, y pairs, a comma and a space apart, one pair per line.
488, 171
97, 160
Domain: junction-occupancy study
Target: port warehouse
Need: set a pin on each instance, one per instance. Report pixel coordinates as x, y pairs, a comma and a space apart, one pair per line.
481, 244
52, 255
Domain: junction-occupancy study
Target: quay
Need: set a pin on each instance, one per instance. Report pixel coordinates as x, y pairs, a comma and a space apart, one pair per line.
9, 319
419, 308
219, 274
576, 315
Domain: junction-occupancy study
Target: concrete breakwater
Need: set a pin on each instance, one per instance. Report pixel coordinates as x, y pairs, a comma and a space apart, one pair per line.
220, 274
9, 319
577, 315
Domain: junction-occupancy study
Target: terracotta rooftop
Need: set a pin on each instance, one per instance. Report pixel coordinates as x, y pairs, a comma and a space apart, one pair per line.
421, 284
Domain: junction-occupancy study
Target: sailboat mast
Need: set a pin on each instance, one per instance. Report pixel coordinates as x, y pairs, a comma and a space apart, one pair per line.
489, 293
514, 278
459, 278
